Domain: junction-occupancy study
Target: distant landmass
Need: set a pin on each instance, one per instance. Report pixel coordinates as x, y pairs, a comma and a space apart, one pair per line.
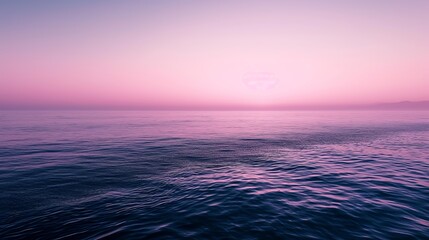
404, 105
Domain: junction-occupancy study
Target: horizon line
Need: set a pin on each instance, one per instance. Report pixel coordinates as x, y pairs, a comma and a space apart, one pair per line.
402, 105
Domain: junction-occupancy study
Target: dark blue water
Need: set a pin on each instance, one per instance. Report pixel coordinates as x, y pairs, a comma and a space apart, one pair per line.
214, 175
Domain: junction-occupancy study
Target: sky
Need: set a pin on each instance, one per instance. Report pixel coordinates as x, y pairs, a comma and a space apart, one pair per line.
212, 54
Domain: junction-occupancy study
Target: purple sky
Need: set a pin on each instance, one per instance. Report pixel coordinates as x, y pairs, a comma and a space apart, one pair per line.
212, 54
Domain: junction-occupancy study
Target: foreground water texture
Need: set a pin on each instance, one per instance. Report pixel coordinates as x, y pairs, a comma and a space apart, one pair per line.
214, 175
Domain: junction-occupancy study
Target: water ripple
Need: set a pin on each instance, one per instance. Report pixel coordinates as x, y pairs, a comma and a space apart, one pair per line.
349, 182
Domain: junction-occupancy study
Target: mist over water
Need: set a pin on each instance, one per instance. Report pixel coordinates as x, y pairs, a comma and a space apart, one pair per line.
214, 175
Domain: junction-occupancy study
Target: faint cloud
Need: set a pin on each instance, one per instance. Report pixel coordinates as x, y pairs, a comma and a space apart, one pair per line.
260, 80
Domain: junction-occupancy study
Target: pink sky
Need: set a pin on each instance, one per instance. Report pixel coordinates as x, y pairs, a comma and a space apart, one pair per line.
157, 54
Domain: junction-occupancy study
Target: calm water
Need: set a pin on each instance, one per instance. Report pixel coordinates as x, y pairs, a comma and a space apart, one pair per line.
214, 175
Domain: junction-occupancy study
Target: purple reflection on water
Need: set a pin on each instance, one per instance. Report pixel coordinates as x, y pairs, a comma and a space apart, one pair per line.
167, 174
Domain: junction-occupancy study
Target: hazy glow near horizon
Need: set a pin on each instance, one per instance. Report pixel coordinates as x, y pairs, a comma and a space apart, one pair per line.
196, 53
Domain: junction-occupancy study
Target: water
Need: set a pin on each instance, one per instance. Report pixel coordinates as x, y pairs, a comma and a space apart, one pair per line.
214, 175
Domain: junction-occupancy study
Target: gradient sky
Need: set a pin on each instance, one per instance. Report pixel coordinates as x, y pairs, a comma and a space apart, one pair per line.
160, 54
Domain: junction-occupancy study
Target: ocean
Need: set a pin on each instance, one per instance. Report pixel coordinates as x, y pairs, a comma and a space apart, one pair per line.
214, 175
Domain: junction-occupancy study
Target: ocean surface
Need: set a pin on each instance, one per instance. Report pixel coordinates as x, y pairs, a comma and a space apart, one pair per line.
214, 175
